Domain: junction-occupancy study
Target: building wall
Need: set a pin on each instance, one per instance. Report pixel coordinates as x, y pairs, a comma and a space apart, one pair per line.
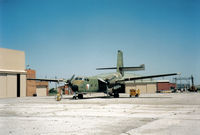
144, 87
163, 86
22, 85
12, 59
12, 64
35, 87
151, 88
42, 88
30, 84
11, 86
3, 85
41, 91
30, 88
8, 85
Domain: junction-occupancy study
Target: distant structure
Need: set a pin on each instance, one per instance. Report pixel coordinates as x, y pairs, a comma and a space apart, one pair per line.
186, 83
35, 88
12, 73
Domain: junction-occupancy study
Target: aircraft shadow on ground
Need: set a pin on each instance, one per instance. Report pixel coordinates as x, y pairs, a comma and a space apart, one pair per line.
109, 97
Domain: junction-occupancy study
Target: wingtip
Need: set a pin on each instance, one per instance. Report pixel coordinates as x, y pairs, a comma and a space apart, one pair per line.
178, 73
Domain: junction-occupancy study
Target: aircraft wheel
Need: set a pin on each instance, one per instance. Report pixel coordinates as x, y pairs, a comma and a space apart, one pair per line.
80, 96
74, 97
116, 95
110, 94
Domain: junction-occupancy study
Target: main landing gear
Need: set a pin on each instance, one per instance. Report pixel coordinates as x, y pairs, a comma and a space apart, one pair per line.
116, 95
80, 96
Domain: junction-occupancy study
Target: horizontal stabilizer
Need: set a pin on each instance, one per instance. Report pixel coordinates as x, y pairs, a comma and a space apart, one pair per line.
106, 68
141, 67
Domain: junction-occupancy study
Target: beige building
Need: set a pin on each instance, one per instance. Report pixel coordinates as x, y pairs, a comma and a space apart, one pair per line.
41, 88
144, 87
12, 73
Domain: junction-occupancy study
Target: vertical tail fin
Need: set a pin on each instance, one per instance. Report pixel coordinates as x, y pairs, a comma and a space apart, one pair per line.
120, 63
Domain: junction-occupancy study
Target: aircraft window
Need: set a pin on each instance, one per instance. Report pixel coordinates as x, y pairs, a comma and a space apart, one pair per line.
86, 79
78, 78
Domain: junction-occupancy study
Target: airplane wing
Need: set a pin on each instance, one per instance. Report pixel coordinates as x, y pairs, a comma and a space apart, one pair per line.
145, 77
53, 80
48, 80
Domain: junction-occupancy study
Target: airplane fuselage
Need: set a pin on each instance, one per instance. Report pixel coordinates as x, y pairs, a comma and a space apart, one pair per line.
94, 84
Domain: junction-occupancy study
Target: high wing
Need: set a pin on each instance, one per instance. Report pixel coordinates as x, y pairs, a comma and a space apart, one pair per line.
48, 80
145, 77
53, 80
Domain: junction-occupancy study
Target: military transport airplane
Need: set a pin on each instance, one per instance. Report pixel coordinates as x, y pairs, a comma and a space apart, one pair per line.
110, 84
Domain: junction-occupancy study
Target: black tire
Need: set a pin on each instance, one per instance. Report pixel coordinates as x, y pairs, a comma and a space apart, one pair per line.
80, 96
110, 94
136, 95
74, 97
116, 95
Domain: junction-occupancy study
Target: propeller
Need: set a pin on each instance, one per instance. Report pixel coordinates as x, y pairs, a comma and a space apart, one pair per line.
72, 77
69, 82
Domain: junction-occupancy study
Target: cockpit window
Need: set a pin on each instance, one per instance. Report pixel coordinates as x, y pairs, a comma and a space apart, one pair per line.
78, 78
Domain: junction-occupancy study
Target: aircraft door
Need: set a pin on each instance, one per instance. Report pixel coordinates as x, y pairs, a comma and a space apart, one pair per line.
102, 86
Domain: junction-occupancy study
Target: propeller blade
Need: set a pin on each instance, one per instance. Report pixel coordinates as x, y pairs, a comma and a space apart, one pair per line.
69, 80
72, 77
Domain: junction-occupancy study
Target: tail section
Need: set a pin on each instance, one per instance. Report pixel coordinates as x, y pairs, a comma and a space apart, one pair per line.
120, 65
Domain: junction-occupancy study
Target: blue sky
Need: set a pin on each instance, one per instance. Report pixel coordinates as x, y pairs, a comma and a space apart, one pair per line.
65, 37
